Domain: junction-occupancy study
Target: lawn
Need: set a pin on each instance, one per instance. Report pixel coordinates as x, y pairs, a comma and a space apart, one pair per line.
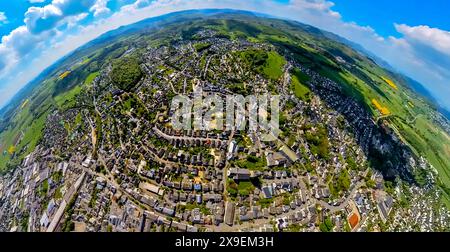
265, 203
67, 99
242, 188
90, 78
246, 186
301, 91
201, 46
273, 68
252, 163
191, 206
58, 193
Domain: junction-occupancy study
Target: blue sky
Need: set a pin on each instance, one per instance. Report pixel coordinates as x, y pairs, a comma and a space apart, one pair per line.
411, 35
382, 14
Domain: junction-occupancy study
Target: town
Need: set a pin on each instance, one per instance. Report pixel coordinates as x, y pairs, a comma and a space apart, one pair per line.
115, 163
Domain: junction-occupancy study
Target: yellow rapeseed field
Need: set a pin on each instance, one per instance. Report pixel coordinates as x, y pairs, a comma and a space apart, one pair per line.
24, 103
390, 83
11, 150
383, 110
64, 75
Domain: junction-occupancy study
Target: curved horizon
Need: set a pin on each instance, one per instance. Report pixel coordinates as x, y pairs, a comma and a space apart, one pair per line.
411, 54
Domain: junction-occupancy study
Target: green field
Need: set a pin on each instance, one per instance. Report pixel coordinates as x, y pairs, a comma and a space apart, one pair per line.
23, 135
27, 123
301, 90
273, 68
90, 78
68, 98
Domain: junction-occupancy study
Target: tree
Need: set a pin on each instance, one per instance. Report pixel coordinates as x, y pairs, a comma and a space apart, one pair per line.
351, 163
420, 176
370, 183
319, 144
327, 225
126, 73
344, 180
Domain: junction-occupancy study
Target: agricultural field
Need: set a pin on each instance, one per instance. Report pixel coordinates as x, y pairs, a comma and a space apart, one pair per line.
23, 134
28, 121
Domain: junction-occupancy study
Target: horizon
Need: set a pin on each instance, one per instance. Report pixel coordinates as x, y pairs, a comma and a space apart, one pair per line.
102, 17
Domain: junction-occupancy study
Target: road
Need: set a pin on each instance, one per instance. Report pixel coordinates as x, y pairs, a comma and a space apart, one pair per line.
338, 208
311, 200
169, 137
225, 171
60, 212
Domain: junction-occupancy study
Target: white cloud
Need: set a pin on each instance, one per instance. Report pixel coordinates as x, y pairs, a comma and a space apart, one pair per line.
6, 58
424, 54
21, 42
39, 28
100, 8
433, 37
72, 7
141, 3
39, 19
36, 1
3, 18
73, 21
